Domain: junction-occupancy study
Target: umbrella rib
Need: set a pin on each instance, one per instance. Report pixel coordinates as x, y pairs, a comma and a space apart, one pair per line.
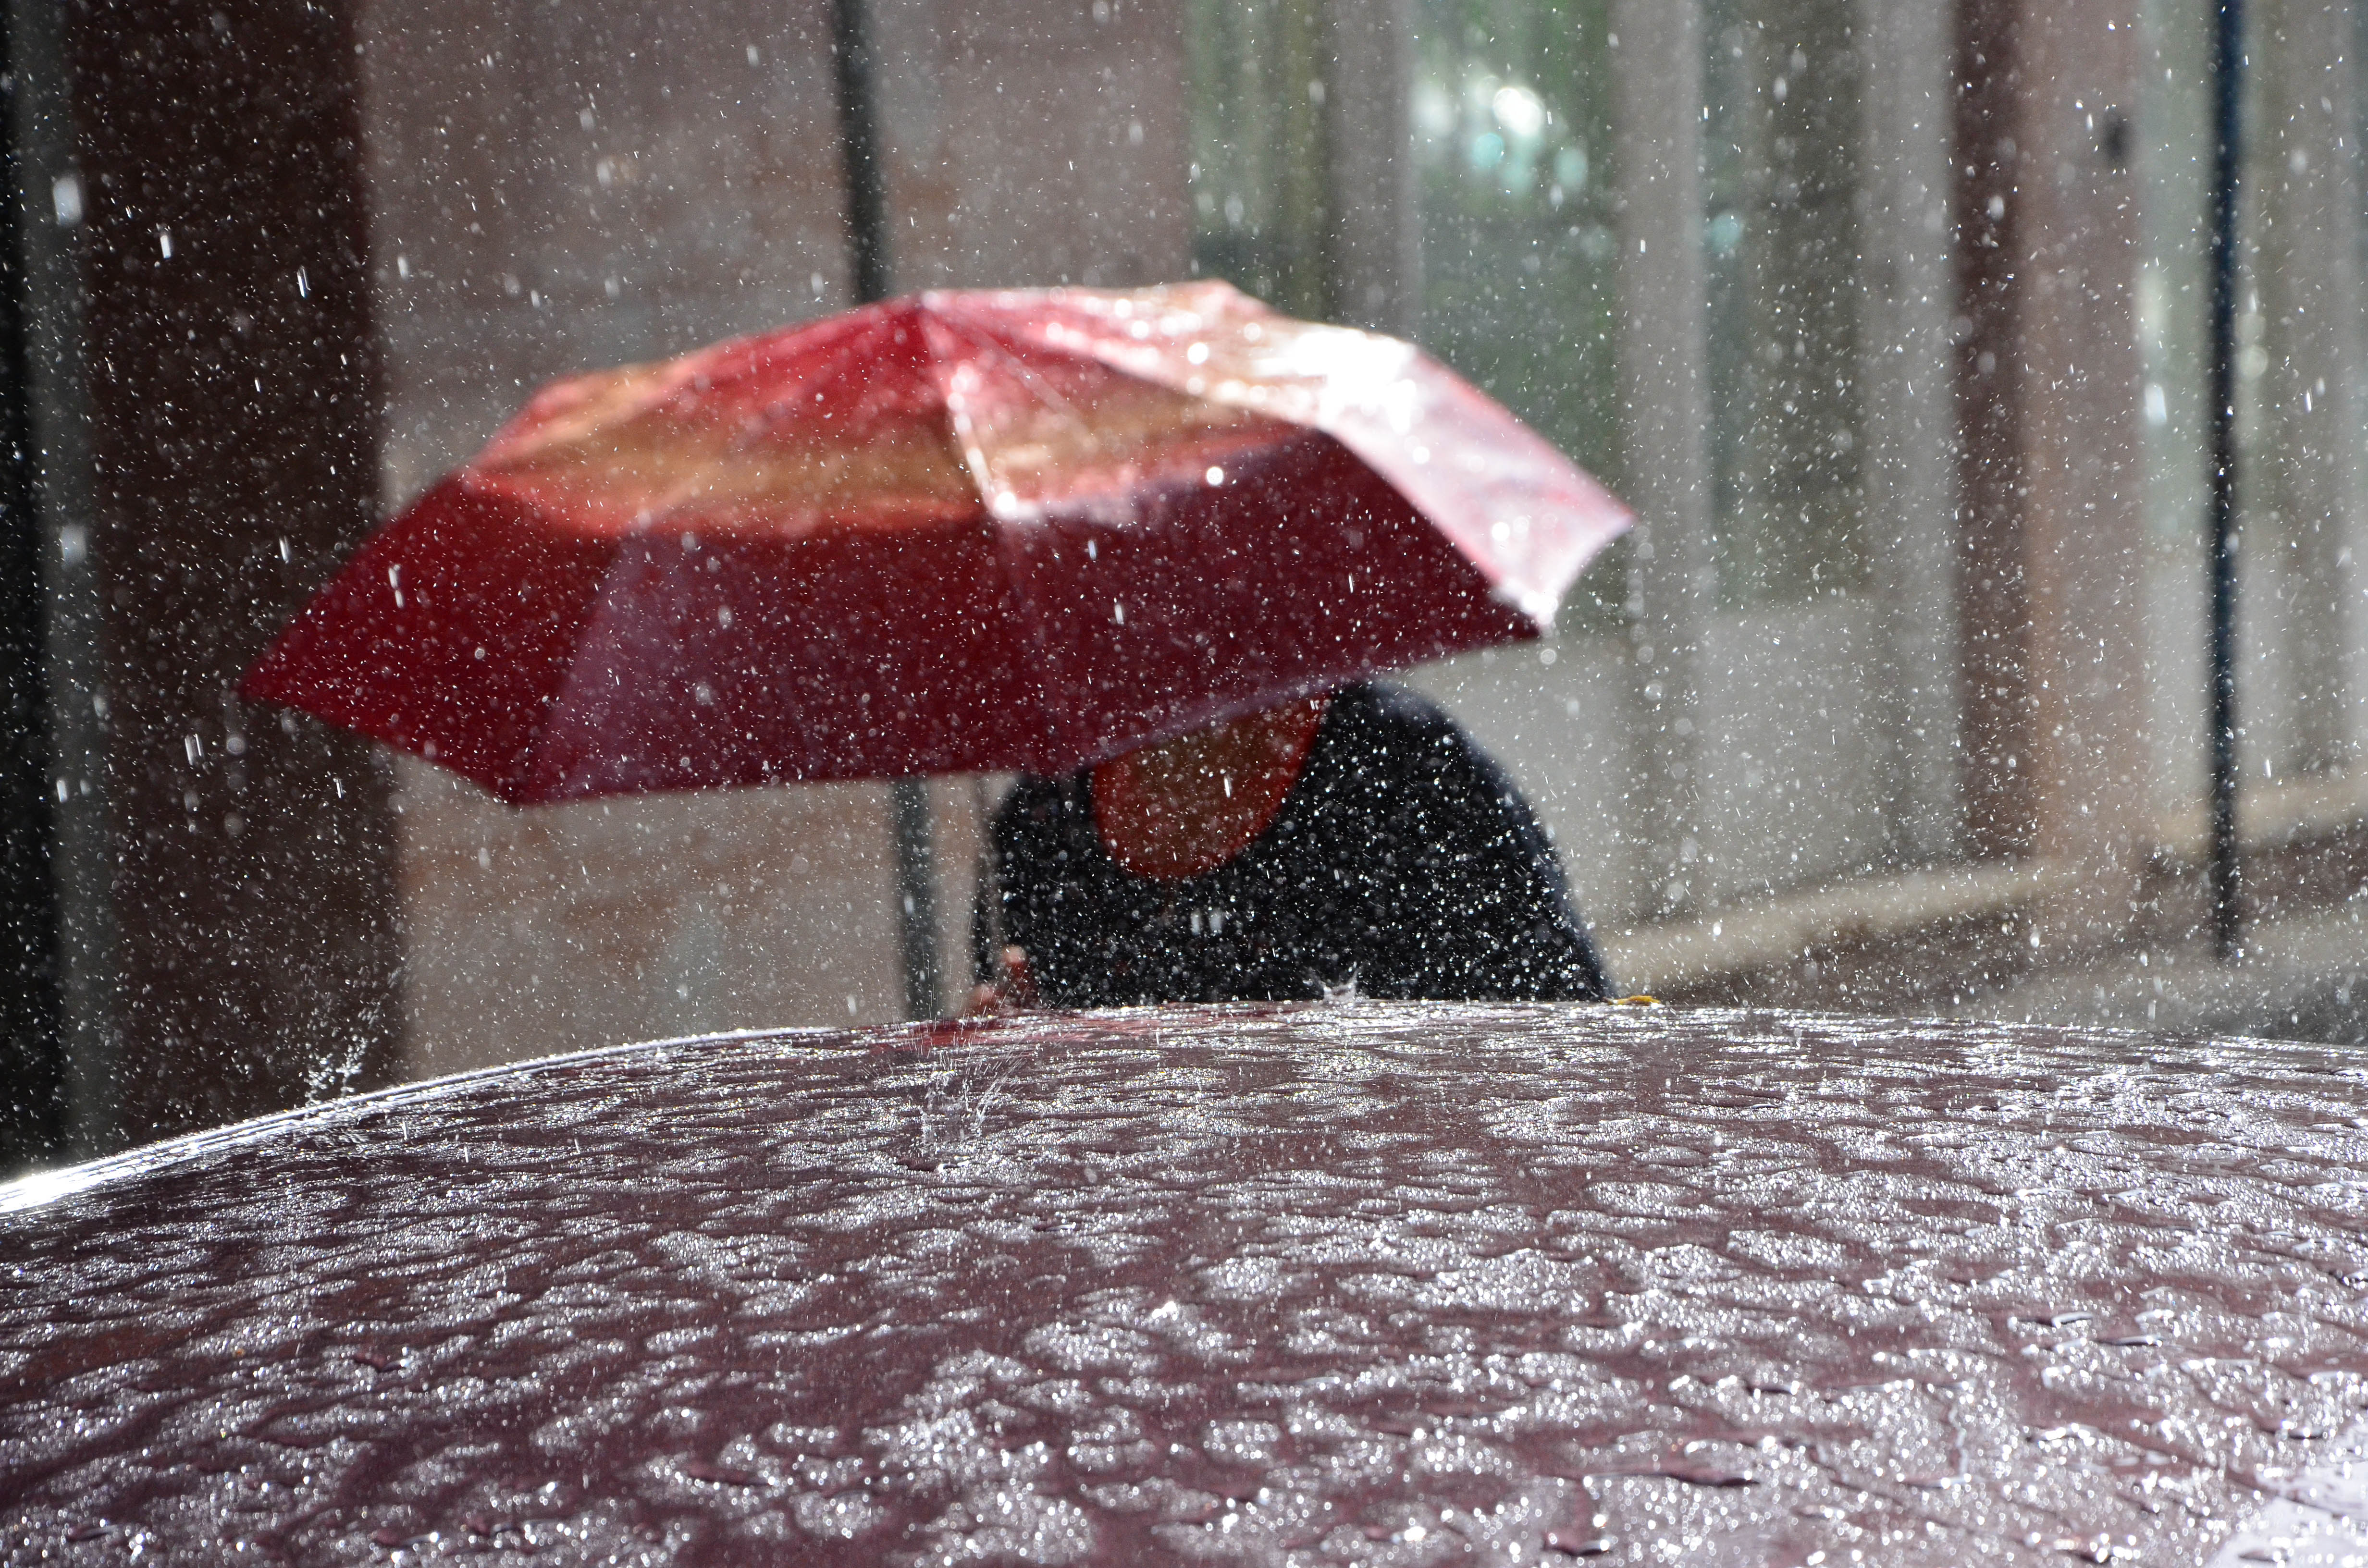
1006, 549
1026, 375
532, 753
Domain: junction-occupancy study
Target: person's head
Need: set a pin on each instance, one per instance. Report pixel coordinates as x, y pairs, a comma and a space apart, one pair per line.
1187, 806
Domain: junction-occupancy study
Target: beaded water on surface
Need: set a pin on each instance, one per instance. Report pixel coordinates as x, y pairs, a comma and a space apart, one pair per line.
1345, 1284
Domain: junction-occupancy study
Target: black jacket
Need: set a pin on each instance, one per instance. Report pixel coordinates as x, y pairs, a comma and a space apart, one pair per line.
1402, 862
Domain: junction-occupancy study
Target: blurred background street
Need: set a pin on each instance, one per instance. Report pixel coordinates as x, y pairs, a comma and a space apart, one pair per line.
1888, 317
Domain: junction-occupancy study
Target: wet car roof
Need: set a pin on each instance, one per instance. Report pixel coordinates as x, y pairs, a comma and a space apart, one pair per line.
1352, 1283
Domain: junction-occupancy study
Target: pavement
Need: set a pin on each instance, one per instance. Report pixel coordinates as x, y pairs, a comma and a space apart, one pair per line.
2303, 977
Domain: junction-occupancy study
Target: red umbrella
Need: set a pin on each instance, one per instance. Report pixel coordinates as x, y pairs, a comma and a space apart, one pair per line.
966, 531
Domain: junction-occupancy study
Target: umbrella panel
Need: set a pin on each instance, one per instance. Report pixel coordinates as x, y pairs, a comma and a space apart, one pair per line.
1303, 570
786, 440
756, 658
448, 635
1500, 490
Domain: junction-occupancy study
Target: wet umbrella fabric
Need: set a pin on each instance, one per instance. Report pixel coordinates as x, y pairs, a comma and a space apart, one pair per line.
1020, 531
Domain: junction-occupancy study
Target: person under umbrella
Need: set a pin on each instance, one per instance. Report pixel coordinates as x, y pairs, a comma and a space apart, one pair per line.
1356, 841
1021, 530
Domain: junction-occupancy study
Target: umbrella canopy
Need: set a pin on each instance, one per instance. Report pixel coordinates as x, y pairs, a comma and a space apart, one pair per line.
1011, 530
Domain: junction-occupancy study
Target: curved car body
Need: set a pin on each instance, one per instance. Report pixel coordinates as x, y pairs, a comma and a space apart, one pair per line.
1352, 1283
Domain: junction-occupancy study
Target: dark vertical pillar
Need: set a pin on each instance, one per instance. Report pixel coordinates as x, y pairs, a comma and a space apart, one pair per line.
232, 407
33, 1108
1999, 784
870, 262
2228, 122
49, 196
2058, 766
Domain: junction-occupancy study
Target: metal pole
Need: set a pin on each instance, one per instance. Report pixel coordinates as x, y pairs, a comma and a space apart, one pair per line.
917, 897
858, 139
2228, 80
867, 240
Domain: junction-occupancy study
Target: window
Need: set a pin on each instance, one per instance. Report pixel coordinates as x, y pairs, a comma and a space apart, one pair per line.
1780, 150
1258, 151
1512, 191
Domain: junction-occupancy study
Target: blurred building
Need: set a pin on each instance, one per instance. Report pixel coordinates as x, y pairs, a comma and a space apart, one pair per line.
1886, 314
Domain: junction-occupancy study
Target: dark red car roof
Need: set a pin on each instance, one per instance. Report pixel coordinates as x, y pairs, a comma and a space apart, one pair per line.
1362, 1283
